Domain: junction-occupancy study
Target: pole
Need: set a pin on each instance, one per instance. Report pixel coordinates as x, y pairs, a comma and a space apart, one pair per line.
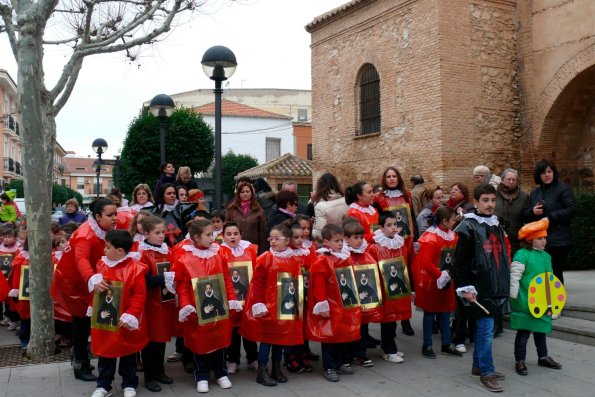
98, 170
218, 193
162, 121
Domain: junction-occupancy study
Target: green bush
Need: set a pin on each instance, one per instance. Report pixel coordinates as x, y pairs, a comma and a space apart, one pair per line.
583, 225
60, 194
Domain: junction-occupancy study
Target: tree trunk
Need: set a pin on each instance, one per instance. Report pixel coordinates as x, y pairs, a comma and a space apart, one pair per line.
38, 141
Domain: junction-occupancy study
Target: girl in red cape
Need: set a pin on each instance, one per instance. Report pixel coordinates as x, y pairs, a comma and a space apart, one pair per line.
118, 329
240, 256
76, 277
136, 228
9, 249
206, 296
360, 198
273, 314
394, 197
434, 293
18, 291
334, 313
161, 301
62, 319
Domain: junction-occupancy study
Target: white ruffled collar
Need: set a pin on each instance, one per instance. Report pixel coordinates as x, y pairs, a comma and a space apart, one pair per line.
204, 253
392, 243
359, 250
344, 254
307, 244
448, 236
138, 238
301, 252
132, 255
288, 253
25, 254
239, 249
368, 210
488, 220
392, 193
143, 246
171, 207
99, 232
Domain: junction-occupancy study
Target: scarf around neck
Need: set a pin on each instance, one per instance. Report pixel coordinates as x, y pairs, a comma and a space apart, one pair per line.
507, 193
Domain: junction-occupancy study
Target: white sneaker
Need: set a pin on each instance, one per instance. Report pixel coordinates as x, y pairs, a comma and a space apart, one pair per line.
12, 326
555, 316
129, 392
392, 358
232, 367
461, 348
5, 321
224, 382
253, 365
202, 386
101, 392
401, 354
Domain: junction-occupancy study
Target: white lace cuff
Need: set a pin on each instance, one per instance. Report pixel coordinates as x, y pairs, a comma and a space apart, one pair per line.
95, 279
185, 312
129, 320
443, 279
321, 307
258, 309
13, 293
169, 281
468, 288
235, 305
89, 311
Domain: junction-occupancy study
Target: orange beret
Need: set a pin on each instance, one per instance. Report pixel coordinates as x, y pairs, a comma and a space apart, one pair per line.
534, 230
194, 195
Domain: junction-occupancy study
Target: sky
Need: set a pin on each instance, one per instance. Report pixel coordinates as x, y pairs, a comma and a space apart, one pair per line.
267, 36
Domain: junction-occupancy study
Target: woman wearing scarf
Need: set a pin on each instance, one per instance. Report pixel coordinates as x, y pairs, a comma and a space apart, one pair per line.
287, 206
510, 204
459, 200
249, 215
434, 198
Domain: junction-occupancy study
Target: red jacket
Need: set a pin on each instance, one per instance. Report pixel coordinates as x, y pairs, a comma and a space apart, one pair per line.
125, 216
365, 267
369, 222
20, 261
132, 294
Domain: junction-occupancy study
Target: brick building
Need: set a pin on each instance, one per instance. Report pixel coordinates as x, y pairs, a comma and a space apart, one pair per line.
437, 87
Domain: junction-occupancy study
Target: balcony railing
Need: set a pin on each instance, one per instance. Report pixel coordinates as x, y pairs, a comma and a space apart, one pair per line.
9, 164
11, 124
17, 168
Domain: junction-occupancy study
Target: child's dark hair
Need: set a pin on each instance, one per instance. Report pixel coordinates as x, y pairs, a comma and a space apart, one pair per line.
353, 228
231, 224
119, 239
352, 191
330, 230
70, 227
98, 205
217, 214
483, 189
283, 229
200, 213
443, 213
384, 216
55, 227
56, 241
9, 231
149, 222
346, 219
195, 228
293, 225
301, 217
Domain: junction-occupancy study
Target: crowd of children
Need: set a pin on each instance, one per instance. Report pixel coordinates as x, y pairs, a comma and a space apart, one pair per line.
214, 293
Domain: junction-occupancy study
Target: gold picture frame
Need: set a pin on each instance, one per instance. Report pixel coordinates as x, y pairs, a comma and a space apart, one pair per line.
24, 294
161, 268
6, 264
346, 284
243, 272
372, 291
396, 277
214, 307
405, 223
289, 307
107, 307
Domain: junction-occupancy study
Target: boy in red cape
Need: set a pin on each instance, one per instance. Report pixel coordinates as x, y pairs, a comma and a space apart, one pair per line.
334, 313
117, 326
19, 291
390, 252
206, 295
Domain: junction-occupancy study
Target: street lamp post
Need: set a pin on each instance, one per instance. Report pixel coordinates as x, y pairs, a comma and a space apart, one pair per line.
219, 63
99, 146
162, 106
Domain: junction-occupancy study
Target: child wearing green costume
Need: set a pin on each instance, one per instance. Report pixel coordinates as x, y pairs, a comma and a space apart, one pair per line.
529, 262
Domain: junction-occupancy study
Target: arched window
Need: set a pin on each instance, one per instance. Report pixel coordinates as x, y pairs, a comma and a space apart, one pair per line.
369, 100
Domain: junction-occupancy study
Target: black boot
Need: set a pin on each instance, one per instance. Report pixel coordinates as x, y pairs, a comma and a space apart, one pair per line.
82, 371
407, 330
277, 374
263, 377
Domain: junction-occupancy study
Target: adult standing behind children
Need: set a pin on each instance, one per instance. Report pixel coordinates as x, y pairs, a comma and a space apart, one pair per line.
329, 204
168, 172
510, 205
249, 215
72, 213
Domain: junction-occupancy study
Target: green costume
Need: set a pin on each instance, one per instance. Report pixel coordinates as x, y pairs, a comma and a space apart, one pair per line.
536, 262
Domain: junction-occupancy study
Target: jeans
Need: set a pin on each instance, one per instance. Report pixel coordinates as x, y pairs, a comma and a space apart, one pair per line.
81, 329
388, 332
214, 361
520, 344
107, 371
153, 355
443, 324
263, 353
25, 333
233, 351
482, 352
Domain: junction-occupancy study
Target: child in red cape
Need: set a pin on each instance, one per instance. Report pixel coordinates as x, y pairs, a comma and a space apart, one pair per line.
360, 198
8, 251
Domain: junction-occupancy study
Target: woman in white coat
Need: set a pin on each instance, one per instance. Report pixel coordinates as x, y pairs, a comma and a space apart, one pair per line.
329, 204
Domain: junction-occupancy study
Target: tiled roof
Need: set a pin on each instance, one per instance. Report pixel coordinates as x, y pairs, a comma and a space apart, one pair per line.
287, 165
332, 13
83, 165
235, 109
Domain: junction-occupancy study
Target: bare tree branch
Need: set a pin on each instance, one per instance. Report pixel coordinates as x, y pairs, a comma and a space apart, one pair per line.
63, 41
72, 78
6, 13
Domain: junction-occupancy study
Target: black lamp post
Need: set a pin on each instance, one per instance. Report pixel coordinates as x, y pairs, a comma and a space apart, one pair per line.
219, 63
162, 106
99, 146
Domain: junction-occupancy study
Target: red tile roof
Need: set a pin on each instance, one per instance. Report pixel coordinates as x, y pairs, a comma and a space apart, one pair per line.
83, 165
235, 109
287, 165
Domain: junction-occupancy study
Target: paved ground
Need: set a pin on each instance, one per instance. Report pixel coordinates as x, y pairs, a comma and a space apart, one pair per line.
418, 376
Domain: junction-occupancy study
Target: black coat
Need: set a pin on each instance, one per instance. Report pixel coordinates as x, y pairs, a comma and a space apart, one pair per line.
559, 207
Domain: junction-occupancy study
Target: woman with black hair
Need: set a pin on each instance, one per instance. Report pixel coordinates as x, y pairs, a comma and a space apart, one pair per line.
168, 175
175, 214
554, 200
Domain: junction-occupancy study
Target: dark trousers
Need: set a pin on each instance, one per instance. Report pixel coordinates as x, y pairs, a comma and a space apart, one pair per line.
359, 347
463, 325
233, 351
153, 355
81, 329
520, 344
25, 332
443, 320
388, 332
559, 255
205, 363
63, 328
107, 371
331, 355
264, 349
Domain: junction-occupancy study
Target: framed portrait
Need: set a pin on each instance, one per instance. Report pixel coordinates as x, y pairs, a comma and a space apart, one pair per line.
241, 275
446, 257
107, 306
396, 278
24, 284
403, 214
367, 281
163, 267
289, 299
6, 264
346, 283
211, 298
